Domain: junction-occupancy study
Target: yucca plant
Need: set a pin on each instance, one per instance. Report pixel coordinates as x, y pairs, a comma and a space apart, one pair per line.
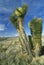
35, 26
17, 20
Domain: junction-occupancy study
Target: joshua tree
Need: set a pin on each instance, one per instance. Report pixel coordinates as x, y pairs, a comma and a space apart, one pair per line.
35, 26
16, 18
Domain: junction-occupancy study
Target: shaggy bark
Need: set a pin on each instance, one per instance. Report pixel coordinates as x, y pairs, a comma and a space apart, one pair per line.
23, 37
36, 30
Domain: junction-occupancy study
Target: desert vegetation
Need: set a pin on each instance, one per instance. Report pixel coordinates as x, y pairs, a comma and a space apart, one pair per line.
22, 50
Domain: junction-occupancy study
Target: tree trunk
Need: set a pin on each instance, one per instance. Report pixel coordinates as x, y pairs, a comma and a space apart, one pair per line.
23, 37
37, 50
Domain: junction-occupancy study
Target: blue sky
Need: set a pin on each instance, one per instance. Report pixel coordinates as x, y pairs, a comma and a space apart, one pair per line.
35, 9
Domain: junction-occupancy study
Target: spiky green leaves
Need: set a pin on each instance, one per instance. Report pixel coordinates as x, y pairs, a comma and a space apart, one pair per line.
18, 12
13, 20
21, 11
35, 25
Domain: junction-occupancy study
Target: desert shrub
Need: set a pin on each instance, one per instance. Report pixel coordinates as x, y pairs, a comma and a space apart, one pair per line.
22, 59
38, 61
13, 58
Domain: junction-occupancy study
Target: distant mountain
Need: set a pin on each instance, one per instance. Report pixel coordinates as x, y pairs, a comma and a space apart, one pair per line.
7, 38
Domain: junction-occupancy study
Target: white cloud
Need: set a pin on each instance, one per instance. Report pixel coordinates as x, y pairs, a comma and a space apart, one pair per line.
3, 9
2, 27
